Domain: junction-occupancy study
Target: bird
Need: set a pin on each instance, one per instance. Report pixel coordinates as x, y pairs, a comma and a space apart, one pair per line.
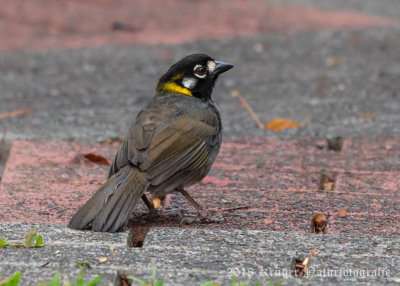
170, 146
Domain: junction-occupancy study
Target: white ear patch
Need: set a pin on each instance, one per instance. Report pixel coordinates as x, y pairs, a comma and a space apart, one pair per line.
189, 82
211, 65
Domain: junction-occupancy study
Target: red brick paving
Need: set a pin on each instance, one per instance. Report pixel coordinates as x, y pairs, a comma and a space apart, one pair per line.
277, 180
41, 24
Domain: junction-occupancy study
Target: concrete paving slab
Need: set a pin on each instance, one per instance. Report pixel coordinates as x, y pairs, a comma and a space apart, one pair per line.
256, 183
194, 256
93, 23
94, 94
384, 8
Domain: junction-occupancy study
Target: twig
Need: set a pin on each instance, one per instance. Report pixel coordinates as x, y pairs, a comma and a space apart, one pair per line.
235, 93
15, 113
236, 208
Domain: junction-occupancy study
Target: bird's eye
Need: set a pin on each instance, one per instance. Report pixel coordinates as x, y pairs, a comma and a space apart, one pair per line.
200, 71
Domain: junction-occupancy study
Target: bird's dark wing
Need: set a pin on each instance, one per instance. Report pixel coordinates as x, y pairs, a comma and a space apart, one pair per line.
182, 145
163, 142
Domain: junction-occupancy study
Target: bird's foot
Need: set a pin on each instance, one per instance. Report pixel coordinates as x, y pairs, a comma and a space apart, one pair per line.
201, 218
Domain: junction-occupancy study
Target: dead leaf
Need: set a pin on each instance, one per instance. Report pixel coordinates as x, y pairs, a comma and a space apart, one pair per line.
279, 124
327, 181
299, 269
103, 259
300, 264
335, 143
342, 212
330, 62
318, 224
366, 115
112, 248
97, 159
328, 186
15, 113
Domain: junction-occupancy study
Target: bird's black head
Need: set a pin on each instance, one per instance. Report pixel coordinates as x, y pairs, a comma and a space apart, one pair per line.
194, 75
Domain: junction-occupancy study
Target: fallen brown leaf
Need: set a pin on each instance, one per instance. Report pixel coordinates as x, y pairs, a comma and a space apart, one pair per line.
300, 264
97, 159
15, 113
335, 143
330, 62
318, 224
328, 186
366, 115
103, 259
342, 212
279, 124
327, 181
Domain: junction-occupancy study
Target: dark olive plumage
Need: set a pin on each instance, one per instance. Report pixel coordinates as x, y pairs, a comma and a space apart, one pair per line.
171, 145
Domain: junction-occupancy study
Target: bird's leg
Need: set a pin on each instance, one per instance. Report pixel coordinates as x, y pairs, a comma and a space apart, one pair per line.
190, 199
149, 204
199, 209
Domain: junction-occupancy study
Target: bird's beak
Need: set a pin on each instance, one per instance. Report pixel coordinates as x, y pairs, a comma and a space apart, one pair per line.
222, 67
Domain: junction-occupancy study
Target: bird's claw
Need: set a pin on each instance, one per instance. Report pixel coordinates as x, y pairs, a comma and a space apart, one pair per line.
202, 218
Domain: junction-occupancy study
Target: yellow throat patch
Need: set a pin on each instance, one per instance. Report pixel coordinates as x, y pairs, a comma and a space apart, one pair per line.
172, 87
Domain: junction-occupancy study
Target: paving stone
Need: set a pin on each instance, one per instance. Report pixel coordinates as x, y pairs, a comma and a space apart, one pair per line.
194, 256
94, 93
125, 22
256, 183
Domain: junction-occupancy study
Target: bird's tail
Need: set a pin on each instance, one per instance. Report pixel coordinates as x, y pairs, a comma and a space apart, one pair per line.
111, 205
